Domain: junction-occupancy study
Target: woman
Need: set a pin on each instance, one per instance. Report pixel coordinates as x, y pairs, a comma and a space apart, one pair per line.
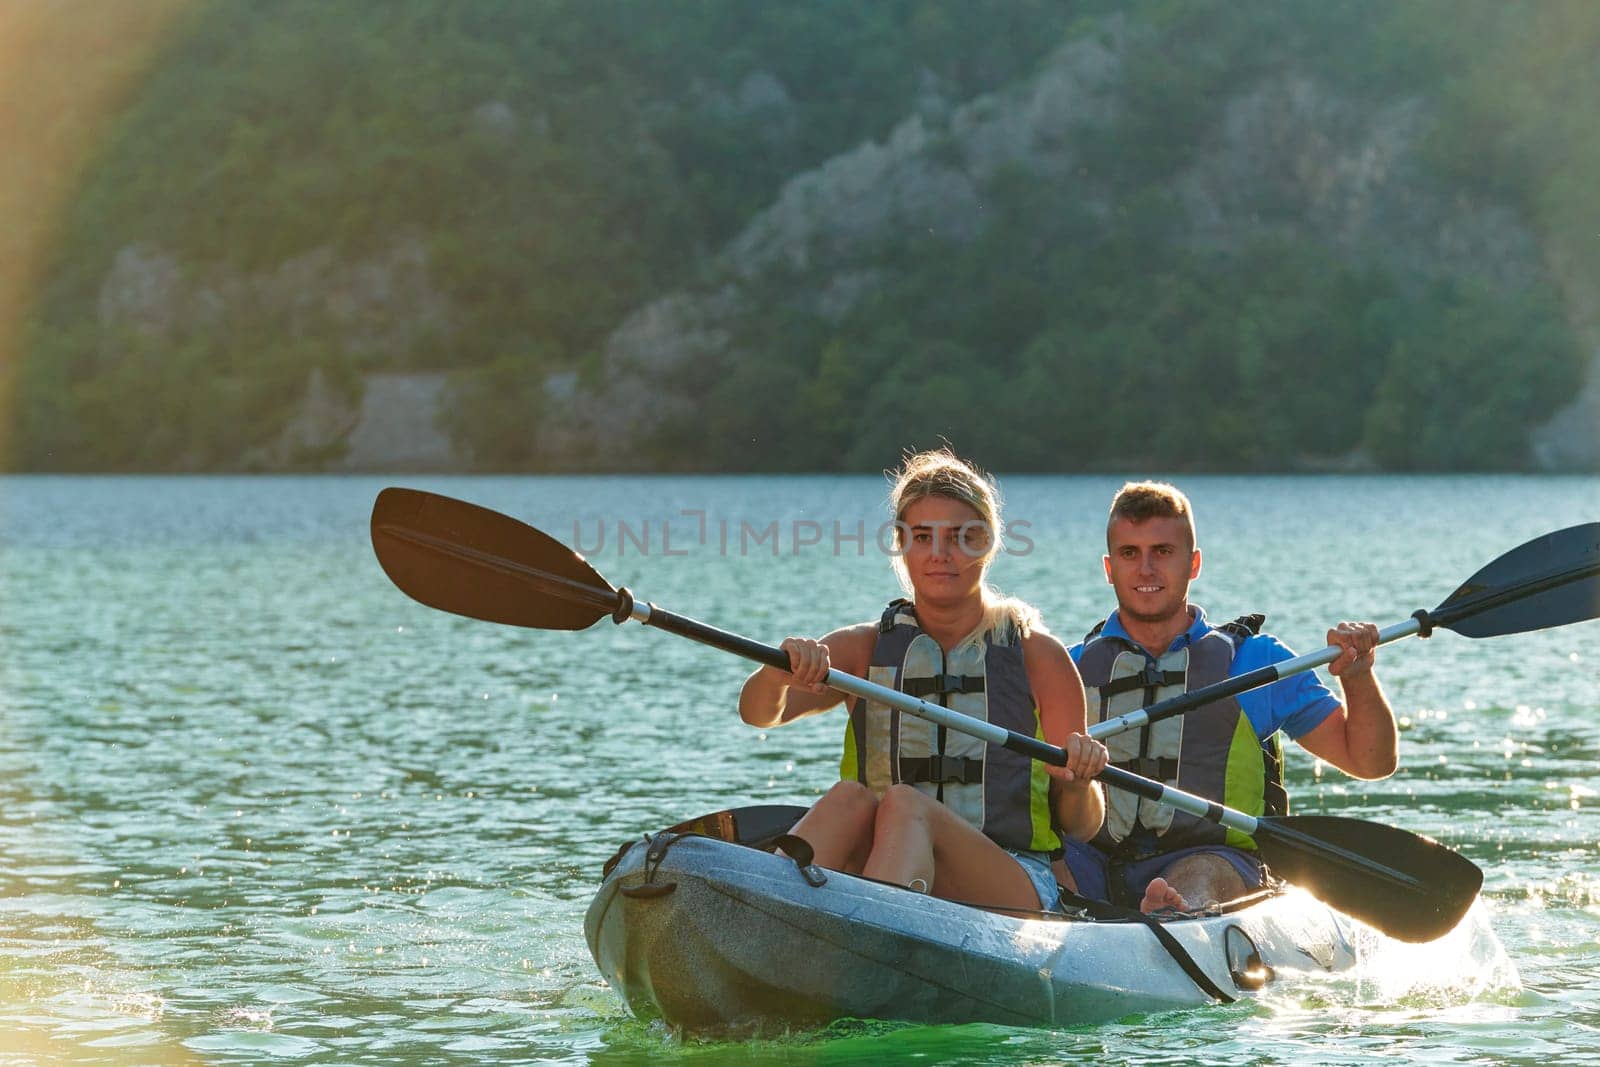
918, 805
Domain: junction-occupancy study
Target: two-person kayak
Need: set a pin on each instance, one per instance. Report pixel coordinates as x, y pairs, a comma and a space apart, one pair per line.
709, 929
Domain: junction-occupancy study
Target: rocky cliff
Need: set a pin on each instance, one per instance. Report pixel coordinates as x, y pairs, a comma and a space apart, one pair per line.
1289, 156
1284, 154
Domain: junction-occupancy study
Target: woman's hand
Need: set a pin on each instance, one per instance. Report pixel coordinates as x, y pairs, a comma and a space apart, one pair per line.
1086, 758
808, 663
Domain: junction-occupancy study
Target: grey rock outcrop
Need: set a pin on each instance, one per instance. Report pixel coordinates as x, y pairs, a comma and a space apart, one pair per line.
640, 390
384, 308
1291, 156
927, 179
142, 292
1570, 441
496, 119
386, 303
398, 427
394, 425
822, 236
314, 436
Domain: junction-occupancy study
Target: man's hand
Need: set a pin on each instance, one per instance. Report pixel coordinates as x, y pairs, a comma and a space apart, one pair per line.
1358, 642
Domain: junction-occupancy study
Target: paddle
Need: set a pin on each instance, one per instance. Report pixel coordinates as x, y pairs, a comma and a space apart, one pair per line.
471, 561
1549, 581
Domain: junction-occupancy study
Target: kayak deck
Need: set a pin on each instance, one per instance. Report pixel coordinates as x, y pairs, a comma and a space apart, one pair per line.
710, 934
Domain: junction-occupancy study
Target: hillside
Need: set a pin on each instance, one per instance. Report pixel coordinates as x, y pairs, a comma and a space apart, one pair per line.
623, 235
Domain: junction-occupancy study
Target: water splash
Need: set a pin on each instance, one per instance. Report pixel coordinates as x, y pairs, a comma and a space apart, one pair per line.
1469, 964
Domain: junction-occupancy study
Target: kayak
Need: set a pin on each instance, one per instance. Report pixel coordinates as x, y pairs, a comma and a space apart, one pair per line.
705, 927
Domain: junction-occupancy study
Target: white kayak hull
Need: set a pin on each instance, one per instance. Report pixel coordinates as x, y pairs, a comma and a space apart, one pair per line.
721, 936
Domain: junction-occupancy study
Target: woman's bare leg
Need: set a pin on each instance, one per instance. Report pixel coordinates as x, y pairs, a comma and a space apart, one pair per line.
839, 827
919, 842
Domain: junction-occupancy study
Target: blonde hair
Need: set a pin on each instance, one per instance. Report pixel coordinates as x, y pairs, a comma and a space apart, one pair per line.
1138, 501
942, 473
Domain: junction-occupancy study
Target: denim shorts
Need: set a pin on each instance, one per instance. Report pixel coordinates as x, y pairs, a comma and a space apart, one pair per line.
1037, 867
1091, 869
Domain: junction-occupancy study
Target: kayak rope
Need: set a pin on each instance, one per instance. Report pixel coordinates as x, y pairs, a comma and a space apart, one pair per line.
1100, 909
800, 851
650, 888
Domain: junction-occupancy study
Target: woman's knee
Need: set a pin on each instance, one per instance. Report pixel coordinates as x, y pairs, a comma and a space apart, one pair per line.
847, 807
848, 797
903, 803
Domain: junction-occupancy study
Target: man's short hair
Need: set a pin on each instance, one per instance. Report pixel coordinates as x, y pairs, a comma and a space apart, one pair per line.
1138, 501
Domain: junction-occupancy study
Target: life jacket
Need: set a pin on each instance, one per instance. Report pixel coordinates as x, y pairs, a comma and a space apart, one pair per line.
1003, 793
1211, 751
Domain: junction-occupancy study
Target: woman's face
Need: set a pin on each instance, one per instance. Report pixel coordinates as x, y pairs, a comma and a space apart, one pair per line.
946, 548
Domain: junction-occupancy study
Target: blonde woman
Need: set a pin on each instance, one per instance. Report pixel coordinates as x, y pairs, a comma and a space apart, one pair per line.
918, 805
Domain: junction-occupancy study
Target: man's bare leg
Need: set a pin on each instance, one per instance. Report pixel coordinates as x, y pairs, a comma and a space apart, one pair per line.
1194, 882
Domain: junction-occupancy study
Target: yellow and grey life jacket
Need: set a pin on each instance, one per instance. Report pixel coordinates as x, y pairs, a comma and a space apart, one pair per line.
1211, 751
1002, 793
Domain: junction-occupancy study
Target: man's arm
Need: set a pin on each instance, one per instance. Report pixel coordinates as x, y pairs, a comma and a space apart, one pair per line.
1076, 799
1360, 736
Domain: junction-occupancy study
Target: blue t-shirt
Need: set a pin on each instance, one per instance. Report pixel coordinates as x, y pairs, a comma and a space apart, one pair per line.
1296, 705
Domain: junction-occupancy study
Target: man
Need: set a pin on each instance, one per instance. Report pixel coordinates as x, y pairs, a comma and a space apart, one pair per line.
1157, 645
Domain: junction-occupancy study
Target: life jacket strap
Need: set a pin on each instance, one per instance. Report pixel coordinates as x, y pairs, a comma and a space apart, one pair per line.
896, 608
1163, 769
941, 684
941, 769
1151, 677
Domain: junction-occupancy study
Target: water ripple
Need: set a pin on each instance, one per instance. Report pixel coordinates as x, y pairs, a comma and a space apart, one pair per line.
255, 804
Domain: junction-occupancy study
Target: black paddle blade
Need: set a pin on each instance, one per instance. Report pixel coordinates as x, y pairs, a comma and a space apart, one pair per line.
1409, 887
461, 558
1550, 581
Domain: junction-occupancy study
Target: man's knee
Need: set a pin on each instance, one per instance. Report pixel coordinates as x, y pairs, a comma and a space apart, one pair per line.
1205, 875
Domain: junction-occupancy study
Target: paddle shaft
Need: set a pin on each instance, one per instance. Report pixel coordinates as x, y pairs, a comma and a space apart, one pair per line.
1263, 828
1231, 687
621, 605
1446, 615
1031, 747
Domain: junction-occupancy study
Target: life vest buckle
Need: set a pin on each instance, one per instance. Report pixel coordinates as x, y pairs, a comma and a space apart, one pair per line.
943, 684
1156, 678
941, 770
1162, 769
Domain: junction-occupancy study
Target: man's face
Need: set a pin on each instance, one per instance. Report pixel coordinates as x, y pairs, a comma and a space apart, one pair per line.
1150, 565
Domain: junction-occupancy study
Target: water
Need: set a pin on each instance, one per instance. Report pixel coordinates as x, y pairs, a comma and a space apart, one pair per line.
255, 805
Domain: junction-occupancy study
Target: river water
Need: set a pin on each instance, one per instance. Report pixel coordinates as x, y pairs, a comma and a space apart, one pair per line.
258, 806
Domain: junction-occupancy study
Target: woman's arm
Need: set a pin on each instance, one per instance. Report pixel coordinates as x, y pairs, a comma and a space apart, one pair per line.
1076, 799
771, 697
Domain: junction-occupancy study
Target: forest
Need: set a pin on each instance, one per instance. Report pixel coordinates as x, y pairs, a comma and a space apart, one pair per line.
553, 167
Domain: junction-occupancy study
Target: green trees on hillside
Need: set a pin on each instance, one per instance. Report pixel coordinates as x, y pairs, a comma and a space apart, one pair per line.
565, 162
1121, 354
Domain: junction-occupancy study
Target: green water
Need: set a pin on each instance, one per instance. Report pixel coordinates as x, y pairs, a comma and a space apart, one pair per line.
255, 805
